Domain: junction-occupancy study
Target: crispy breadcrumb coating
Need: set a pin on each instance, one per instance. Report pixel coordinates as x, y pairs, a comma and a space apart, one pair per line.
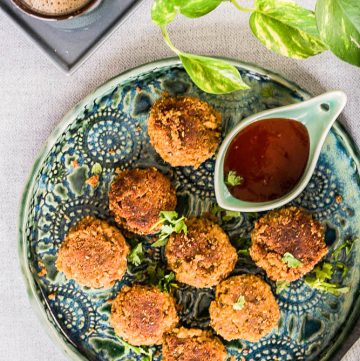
288, 230
93, 254
258, 315
137, 196
142, 314
202, 257
184, 130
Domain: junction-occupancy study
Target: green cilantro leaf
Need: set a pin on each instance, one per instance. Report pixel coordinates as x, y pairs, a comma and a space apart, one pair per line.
291, 261
281, 286
168, 215
243, 245
166, 282
170, 224
136, 255
229, 215
347, 245
226, 215
155, 273
319, 278
233, 179
326, 286
96, 169
240, 303
343, 267
162, 240
156, 276
146, 352
244, 252
167, 229
324, 272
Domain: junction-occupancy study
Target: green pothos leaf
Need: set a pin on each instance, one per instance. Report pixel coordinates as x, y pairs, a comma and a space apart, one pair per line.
212, 75
286, 28
339, 26
197, 8
163, 12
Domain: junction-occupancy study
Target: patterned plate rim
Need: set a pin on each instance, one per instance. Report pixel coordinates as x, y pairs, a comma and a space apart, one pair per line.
67, 347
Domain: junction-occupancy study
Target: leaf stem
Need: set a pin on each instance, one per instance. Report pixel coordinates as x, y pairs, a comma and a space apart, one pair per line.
241, 8
168, 41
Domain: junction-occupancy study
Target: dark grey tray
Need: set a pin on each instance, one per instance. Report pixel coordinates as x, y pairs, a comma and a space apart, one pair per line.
69, 42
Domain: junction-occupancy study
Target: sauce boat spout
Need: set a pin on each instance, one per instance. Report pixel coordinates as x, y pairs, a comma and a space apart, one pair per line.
317, 115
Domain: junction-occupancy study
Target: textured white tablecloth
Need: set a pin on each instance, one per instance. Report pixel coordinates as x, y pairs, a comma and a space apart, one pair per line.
34, 95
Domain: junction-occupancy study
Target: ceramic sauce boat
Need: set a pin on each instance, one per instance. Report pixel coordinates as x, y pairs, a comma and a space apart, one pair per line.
317, 115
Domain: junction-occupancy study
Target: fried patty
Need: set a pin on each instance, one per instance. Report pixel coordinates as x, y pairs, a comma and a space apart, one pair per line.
257, 317
184, 130
137, 196
192, 345
288, 230
93, 254
142, 314
203, 257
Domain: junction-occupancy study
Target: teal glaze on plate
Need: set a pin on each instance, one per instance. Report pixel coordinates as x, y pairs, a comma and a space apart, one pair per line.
109, 127
317, 115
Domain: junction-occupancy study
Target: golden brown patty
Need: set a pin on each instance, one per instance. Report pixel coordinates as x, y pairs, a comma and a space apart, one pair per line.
258, 316
93, 254
185, 131
137, 196
142, 314
192, 345
203, 257
288, 230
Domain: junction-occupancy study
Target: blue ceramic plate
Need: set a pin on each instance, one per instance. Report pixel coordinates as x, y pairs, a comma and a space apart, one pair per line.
109, 127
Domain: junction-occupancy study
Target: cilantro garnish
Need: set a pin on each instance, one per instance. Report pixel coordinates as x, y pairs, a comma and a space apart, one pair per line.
243, 245
244, 252
290, 260
229, 215
319, 278
233, 179
166, 282
157, 277
281, 286
226, 215
347, 246
170, 224
136, 255
321, 275
96, 169
147, 354
240, 303
154, 272
343, 267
